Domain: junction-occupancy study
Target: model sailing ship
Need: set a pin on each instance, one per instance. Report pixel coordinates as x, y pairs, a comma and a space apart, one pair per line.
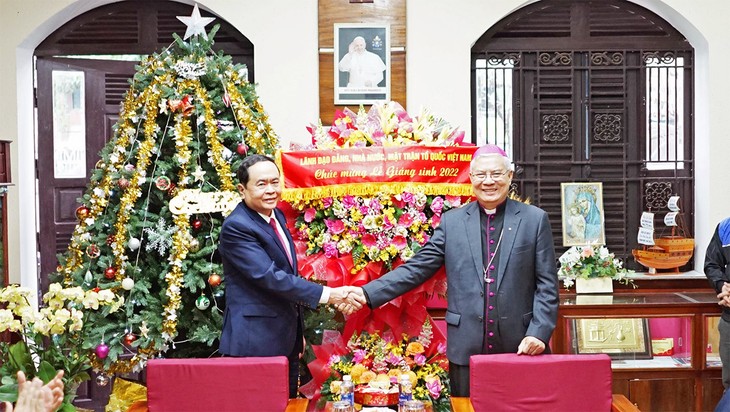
664, 252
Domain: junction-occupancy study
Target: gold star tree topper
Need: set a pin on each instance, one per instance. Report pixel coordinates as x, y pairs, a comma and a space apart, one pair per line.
196, 23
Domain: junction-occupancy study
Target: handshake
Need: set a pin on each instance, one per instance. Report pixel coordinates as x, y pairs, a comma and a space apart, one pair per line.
347, 299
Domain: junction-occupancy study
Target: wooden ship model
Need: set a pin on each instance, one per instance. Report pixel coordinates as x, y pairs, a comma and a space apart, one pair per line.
664, 252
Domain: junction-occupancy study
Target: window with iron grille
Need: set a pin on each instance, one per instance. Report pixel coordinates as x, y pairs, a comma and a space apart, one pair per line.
590, 91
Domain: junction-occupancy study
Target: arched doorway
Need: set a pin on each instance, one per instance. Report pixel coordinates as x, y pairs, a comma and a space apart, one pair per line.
82, 71
590, 91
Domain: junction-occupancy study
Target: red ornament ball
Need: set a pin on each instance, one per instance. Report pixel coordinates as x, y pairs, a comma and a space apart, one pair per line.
82, 212
214, 280
242, 149
123, 183
96, 289
129, 338
110, 272
197, 224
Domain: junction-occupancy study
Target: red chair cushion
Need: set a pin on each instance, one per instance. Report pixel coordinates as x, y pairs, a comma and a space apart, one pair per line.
218, 384
508, 382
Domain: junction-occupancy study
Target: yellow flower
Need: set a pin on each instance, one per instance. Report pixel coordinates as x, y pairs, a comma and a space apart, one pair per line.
414, 348
367, 376
357, 371
335, 386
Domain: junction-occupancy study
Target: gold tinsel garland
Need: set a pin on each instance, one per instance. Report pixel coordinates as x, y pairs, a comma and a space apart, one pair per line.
216, 148
256, 128
74, 262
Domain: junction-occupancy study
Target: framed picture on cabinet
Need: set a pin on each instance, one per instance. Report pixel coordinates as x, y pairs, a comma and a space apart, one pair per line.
582, 213
620, 338
362, 63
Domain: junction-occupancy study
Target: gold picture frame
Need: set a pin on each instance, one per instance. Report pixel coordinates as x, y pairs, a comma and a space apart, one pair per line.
619, 338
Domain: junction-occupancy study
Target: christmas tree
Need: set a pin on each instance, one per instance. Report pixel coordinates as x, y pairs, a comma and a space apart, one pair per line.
149, 222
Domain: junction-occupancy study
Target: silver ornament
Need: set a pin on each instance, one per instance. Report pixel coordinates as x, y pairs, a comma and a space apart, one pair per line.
102, 380
133, 243
127, 283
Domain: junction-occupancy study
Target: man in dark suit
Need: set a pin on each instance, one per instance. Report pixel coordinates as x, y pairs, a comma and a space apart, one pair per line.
264, 294
500, 268
717, 270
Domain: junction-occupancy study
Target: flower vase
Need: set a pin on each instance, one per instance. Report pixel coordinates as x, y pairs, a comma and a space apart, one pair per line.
594, 285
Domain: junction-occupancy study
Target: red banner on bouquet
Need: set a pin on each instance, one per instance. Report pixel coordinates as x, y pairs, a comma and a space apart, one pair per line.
433, 170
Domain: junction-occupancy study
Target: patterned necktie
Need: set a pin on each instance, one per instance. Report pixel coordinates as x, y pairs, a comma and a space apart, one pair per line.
282, 240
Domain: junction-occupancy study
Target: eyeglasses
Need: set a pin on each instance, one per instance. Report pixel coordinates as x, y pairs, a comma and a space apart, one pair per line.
479, 177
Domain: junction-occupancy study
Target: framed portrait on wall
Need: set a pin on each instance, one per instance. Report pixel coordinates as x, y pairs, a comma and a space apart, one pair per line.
582, 213
362, 63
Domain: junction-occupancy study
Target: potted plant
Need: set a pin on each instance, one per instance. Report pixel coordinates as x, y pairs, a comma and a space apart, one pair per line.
581, 265
51, 338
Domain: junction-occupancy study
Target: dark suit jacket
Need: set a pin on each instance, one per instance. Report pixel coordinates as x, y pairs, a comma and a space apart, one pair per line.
526, 284
264, 294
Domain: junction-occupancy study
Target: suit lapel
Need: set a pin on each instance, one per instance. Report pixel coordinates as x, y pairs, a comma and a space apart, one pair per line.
266, 228
510, 227
473, 228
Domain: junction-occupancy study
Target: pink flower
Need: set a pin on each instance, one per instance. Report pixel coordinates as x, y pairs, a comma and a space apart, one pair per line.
333, 359
586, 252
359, 355
408, 197
335, 226
454, 201
419, 359
435, 220
393, 359
405, 220
375, 205
434, 387
349, 201
425, 239
441, 348
400, 242
457, 136
309, 214
327, 202
369, 240
330, 249
437, 205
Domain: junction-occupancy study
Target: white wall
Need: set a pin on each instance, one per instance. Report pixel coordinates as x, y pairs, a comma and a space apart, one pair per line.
284, 32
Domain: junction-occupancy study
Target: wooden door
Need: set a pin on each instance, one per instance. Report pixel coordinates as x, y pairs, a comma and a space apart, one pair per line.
78, 103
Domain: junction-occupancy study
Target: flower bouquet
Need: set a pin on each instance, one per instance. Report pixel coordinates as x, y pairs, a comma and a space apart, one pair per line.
376, 362
379, 227
591, 261
51, 338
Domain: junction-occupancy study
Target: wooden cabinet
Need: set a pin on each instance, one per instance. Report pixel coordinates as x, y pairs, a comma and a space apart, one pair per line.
686, 377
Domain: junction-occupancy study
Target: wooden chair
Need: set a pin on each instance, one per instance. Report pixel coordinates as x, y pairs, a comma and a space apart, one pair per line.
220, 384
507, 382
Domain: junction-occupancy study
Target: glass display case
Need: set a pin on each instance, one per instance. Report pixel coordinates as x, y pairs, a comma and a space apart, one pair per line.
663, 345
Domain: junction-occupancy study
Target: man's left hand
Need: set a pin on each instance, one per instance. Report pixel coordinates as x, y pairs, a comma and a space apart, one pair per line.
531, 345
